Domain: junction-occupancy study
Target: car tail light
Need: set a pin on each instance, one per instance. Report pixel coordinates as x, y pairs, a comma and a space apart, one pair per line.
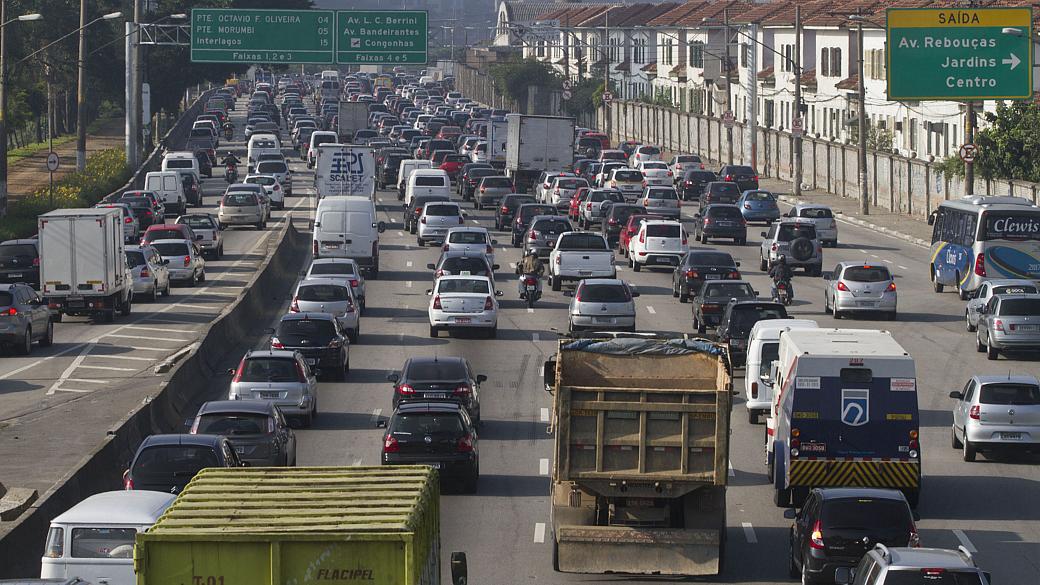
187, 260
684, 241
276, 343
354, 282
294, 306
841, 286
418, 209
390, 445
465, 444
128, 220
335, 343
445, 247
463, 390
437, 302
558, 261
532, 235
710, 308
128, 482
405, 389
669, 173
505, 209
733, 275
489, 304
588, 206
642, 237
756, 177
707, 221
754, 390
774, 247
999, 325
702, 166
980, 264
678, 166
975, 412
314, 248
461, 221
145, 273
422, 220
691, 274
36, 261
238, 372
816, 539
728, 178
613, 221
891, 287
12, 311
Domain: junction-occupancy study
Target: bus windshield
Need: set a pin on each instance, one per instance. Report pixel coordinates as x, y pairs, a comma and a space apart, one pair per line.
1010, 225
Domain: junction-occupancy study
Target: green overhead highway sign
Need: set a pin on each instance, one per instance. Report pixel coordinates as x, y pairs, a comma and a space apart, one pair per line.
373, 37
960, 53
224, 35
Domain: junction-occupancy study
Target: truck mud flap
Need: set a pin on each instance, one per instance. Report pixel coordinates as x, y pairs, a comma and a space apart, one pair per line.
616, 549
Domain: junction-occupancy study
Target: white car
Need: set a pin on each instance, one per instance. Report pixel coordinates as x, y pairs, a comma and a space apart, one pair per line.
479, 152
183, 260
436, 219
343, 269
272, 188
656, 173
464, 302
151, 277
475, 240
662, 243
643, 154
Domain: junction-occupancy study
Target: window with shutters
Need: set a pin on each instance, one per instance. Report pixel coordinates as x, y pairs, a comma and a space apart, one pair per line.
745, 54
667, 52
825, 62
836, 69
697, 54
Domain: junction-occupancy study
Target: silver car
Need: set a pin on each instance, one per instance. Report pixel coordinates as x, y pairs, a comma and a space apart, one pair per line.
1008, 322
24, 318
241, 208
256, 428
854, 287
543, 231
279, 170
207, 226
593, 207
435, 221
602, 304
656, 173
823, 217
332, 296
996, 412
184, 260
796, 241
343, 269
474, 240
151, 276
562, 190
491, 190
989, 288
281, 376
131, 225
662, 201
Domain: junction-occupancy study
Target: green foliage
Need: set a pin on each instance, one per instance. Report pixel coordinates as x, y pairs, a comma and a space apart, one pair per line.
514, 77
877, 138
660, 98
1009, 148
586, 96
952, 166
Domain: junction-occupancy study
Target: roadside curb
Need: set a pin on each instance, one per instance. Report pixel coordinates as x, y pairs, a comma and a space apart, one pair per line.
865, 224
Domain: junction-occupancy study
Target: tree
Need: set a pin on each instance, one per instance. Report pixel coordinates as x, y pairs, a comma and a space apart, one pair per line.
586, 96
516, 76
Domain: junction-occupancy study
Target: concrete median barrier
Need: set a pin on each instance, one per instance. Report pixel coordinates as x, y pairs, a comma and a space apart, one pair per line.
191, 383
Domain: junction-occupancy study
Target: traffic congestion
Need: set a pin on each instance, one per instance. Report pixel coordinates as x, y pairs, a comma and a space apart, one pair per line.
617, 359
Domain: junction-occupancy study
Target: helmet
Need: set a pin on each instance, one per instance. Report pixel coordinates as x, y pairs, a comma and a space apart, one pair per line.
530, 252
781, 258
229, 153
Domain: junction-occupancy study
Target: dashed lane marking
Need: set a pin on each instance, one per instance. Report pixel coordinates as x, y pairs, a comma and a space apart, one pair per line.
512, 264
731, 472
76, 390
543, 415
376, 412
408, 264
356, 462
122, 357
886, 261
543, 466
650, 310
862, 251
749, 532
165, 330
476, 222
86, 380
145, 337
400, 234
108, 368
901, 267
875, 256
534, 337
965, 541
408, 284
530, 310
539, 532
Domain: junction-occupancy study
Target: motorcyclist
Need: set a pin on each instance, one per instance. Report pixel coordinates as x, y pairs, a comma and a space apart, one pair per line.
230, 163
530, 265
781, 272
229, 129
230, 159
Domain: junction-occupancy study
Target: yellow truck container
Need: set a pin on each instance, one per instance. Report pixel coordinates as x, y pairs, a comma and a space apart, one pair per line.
641, 455
295, 526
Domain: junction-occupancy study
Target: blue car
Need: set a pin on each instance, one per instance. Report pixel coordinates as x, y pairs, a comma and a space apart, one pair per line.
758, 205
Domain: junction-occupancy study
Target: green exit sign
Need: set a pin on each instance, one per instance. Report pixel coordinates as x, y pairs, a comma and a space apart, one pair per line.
381, 37
225, 35
960, 53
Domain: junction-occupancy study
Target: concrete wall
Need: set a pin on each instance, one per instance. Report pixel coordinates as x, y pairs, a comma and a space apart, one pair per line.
896, 183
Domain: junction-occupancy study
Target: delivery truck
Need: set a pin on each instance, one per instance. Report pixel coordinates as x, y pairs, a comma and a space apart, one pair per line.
292, 526
535, 144
83, 269
641, 456
345, 169
497, 139
352, 116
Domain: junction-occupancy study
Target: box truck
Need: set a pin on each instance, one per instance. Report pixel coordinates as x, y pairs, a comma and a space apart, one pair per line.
345, 169
352, 116
535, 144
497, 139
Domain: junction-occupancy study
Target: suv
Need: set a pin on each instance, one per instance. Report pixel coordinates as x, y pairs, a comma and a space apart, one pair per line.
691, 185
720, 192
995, 412
24, 318
522, 219
796, 240
737, 321
438, 434
836, 526
543, 232
318, 338
439, 379
700, 265
166, 463
897, 566
507, 208
744, 176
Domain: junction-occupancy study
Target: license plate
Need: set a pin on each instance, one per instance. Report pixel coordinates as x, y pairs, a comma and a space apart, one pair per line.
1026, 328
269, 395
585, 273
604, 319
669, 260
814, 447
436, 395
712, 277
330, 246
725, 224
867, 303
312, 361
1011, 436
530, 287
462, 319
15, 274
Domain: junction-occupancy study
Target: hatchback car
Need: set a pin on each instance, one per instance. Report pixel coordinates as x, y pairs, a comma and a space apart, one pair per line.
989, 288
24, 318
344, 270
272, 188
522, 220
543, 233
710, 301
318, 338
470, 176
661, 201
435, 221
335, 297
438, 378
759, 206
166, 463
241, 208
692, 183
506, 209
719, 221
737, 321
642, 154
901, 566
143, 207
595, 204
1008, 322
472, 240
461, 263
183, 260
150, 273
562, 190
280, 376
207, 229
605, 304
256, 428
491, 190
837, 526
656, 173
20, 262
854, 287
438, 434
996, 413
414, 210
823, 217
720, 192
702, 265
627, 181
657, 243
463, 302
744, 176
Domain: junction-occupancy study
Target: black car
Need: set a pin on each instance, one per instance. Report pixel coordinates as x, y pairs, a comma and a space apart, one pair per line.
387, 169
711, 299
256, 428
737, 321
719, 221
439, 434
837, 526
192, 189
699, 265
318, 338
205, 165
438, 378
469, 178
413, 211
504, 211
720, 192
143, 208
744, 176
522, 218
455, 262
166, 463
20, 262
615, 218
691, 185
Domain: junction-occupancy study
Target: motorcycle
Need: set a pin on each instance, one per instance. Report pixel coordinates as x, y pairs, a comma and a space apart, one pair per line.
782, 293
231, 173
229, 131
530, 289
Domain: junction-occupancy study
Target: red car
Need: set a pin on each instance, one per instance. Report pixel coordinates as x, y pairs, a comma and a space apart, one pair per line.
632, 228
452, 164
449, 133
168, 231
576, 201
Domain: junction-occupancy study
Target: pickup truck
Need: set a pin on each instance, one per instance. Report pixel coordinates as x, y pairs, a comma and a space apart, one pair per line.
579, 255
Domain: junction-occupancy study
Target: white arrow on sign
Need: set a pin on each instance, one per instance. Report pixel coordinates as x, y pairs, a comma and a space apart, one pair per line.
1013, 61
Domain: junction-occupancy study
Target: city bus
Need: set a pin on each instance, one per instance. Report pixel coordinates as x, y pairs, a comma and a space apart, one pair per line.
978, 238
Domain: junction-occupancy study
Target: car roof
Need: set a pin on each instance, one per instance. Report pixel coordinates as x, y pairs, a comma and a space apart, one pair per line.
650, 222
468, 228
844, 493
181, 439
848, 263
432, 359
1005, 281
1017, 296
937, 558
464, 277
307, 316
406, 407
334, 261
319, 281
1012, 379
118, 507
170, 241
236, 406
604, 281
708, 283
800, 206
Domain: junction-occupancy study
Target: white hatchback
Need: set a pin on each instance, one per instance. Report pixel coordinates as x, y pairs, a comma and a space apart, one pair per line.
656, 173
464, 302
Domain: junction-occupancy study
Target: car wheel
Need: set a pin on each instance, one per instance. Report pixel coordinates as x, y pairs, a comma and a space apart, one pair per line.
683, 297
193, 280
704, 238
762, 265
557, 285
967, 322
752, 417
434, 332
412, 229
493, 332
954, 441
968, 450
259, 225
202, 276
792, 568
836, 312
826, 304
48, 337
675, 291
25, 347
962, 293
636, 266
155, 292
166, 291
979, 347
806, 579
419, 242
127, 305
991, 352
936, 285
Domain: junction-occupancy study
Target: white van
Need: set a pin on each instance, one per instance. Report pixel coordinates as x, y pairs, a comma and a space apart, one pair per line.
427, 182
346, 227
184, 162
407, 166
258, 144
763, 350
167, 185
318, 138
94, 540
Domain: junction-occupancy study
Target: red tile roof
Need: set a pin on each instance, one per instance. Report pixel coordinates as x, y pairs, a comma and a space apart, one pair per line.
849, 83
766, 73
672, 17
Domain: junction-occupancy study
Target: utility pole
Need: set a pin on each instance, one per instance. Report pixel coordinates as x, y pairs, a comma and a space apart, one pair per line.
606, 71
81, 91
3, 111
136, 75
797, 188
864, 194
729, 89
969, 136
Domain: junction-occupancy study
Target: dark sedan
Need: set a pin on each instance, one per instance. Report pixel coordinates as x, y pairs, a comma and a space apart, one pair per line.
691, 185
20, 262
523, 216
719, 221
737, 321
507, 209
438, 434
256, 428
699, 265
318, 338
711, 299
439, 378
166, 463
615, 218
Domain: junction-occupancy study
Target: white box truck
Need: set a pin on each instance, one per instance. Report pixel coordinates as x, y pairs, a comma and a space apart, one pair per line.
535, 144
83, 269
498, 139
345, 169
352, 116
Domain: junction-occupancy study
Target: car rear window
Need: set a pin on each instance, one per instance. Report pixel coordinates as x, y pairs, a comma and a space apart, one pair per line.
428, 181
180, 163
527, 212
442, 210
497, 182
744, 317
456, 158
427, 423
197, 222
582, 242
662, 194
133, 257
172, 248
711, 259
655, 166
1010, 394
467, 237
789, 232
131, 201
340, 268
931, 577
103, 543
240, 200
229, 424
18, 251
1014, 289
315, 329
6, 299
603, 293
629, 176
435, 370
685, 158
660, 230
551, 225
261, 180
327, 293
719, 212
865, 513
461, 264
571, 183
725, 188
760, 196
816, 213
649, 150
463, 285
1020, 307
717, 290
174, 461
867, 274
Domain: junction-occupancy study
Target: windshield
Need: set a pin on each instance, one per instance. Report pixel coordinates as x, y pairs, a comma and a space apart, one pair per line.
340, 268
246, 423
17, 251
1010, 225
464, 285
467, 237
867, 274
602, 293
1020, 307
1010, 394
171, 249
323, 293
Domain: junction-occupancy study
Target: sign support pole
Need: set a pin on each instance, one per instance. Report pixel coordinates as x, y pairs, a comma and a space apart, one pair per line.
864, 190
969, 135
797, 187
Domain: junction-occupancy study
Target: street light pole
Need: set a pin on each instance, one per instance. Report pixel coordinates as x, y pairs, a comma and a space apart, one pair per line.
864, 195
606, 72
729, 89
81, 91
797, 188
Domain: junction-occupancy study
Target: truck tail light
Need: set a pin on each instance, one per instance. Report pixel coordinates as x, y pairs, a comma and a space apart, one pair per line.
975, 412
816, 539
754, 390
465, 444
390, 445
980, 264
489, 304
841, 286
128, 220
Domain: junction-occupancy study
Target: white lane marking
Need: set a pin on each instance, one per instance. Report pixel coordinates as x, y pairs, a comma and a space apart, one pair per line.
476, 222
408, 264
512, 264
539, 532
122, 336
535, 337
225, 294
400, 234
72, 367
143, 348
87, 380
356, 462
543, 466
543, 415
731, 472
749, 532
376, 412
400, 337
965, 541
108, 368
886, 260
76, 390
123, 357
862, 250
901, 267
39, 361
408, 284
875, 256
139, 327
650, 310
530, 310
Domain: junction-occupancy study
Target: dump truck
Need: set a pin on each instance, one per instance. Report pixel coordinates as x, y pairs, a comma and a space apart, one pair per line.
641, 457
292, 526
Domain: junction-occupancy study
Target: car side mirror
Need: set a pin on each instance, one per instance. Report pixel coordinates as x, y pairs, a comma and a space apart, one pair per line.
381, 226
431, 266
494, 242
381, 424
429, 291
495, 267
317, 224
980, 309
165, 262
826, 275
843, 575
755, 292
790, 514
568, 293
393, 377
957, 395
766, 380
499, 293
481, 378
737, 263
763, 234
697, 214
931, 218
